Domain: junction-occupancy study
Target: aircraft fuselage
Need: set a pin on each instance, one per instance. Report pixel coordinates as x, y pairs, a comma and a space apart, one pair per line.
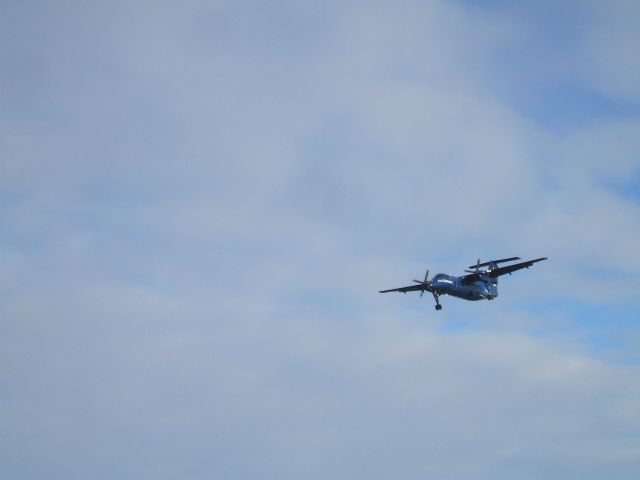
477, 285
482, 289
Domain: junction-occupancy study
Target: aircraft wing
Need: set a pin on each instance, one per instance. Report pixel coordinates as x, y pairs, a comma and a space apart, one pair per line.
496, 272
411, 288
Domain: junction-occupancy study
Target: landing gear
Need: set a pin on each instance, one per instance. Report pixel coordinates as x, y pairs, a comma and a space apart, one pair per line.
436, 298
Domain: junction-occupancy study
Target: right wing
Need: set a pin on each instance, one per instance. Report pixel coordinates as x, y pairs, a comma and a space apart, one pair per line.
411, 288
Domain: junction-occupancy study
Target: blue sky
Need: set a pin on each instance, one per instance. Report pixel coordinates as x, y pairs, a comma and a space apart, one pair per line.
199, 203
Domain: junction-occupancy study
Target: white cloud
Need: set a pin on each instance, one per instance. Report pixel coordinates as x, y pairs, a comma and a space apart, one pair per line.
611, 48
311, 396
202, 202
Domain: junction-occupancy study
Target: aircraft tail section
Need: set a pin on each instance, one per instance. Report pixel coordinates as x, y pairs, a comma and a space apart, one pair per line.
494, 263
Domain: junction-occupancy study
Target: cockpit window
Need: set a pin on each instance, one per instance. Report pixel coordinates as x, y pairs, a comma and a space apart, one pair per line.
443, 278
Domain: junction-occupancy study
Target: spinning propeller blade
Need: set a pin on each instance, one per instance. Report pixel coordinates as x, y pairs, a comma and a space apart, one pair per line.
426, 278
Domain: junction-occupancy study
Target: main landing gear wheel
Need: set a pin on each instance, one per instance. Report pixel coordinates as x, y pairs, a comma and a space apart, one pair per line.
438, 307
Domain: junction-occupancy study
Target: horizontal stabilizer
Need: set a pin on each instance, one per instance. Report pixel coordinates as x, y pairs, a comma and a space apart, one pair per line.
512, 268
486, 264
497, 272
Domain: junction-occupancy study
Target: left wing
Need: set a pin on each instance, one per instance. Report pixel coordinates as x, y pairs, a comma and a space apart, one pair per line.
496, 272
512, 268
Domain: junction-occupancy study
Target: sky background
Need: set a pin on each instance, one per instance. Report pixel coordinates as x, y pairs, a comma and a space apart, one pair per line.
199, 201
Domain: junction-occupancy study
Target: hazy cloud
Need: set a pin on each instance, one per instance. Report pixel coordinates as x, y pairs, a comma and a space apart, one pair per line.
200, 202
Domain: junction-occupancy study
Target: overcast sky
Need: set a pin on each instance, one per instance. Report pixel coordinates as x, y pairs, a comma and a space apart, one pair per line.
199, 201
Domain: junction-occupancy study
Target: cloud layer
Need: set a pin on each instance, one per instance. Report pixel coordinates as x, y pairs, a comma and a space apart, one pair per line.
200, 202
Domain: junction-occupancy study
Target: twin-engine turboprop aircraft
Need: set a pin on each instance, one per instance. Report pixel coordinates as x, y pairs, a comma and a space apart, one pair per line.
477, 285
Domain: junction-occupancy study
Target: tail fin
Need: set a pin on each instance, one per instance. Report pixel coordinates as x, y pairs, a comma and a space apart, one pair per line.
494, 264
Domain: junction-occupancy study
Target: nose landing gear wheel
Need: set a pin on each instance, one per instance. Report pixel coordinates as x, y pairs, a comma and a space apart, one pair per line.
435, 297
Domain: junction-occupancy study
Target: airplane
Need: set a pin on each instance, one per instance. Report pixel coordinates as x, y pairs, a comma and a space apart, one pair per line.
477, 285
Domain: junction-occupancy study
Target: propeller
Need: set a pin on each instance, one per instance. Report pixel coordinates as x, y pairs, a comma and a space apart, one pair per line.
426, 278
476, 270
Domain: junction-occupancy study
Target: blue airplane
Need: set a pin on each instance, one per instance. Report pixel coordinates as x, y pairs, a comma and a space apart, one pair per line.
477, 285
